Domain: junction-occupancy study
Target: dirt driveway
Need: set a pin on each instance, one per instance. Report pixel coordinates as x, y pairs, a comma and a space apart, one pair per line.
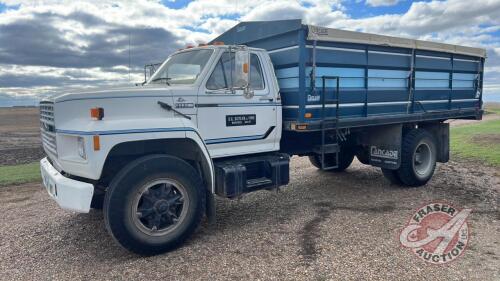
321, 226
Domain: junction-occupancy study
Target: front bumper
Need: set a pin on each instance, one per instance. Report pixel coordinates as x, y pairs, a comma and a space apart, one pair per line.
68, 193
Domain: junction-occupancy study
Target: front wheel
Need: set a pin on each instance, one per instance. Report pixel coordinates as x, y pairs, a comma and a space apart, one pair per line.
154, 204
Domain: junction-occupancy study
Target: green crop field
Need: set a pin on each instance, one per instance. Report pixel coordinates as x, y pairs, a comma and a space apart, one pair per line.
17, 174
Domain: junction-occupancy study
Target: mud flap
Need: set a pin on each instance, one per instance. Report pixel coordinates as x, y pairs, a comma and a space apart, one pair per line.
384, 144
210, 209
441, 132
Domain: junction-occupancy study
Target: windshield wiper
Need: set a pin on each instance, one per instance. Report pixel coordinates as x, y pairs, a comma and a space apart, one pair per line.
162, 78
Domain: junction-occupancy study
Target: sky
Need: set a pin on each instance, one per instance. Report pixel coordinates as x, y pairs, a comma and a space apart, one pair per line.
49, 46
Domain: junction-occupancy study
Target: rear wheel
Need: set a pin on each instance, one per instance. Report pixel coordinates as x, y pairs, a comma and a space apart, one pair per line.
316, 160
363, 156
418, 158
392, 176
154, 204
345, 159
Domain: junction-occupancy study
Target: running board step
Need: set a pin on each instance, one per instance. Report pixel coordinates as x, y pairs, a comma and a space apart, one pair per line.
253, 183
237, 175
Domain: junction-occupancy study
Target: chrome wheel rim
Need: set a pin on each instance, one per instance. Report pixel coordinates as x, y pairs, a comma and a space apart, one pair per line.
422, 159
159, 207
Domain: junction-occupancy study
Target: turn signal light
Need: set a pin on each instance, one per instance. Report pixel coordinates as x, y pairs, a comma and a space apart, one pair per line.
97, 143
218, 43
97, 113
308, 115
298, 126
301, 127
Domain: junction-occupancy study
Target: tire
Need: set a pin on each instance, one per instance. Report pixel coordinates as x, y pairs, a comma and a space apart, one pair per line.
363, 156
154, 204
392, 176
97, 202
418, 158
315, 161
346, 156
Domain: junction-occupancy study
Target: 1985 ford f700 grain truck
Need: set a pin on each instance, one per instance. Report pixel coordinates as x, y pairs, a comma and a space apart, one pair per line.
224, 119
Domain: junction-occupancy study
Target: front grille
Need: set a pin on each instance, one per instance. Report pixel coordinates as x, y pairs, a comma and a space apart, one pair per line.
47, 127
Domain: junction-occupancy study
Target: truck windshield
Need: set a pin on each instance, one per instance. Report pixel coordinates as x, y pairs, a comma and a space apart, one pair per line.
182, 68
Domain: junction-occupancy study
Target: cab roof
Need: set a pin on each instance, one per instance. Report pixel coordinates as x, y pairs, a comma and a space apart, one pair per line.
215, 47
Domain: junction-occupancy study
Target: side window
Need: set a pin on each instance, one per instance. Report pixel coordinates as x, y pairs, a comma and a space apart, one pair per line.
221, 76
256, 77
217, 80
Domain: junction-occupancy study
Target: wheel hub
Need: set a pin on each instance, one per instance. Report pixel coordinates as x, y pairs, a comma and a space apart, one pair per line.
159, 206
422, 159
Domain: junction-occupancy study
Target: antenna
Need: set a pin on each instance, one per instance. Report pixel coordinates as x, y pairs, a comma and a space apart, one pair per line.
129, 56
236, 12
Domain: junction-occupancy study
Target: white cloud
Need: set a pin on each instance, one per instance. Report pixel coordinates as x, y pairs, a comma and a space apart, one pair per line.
93, 33
378, 3
216, 25
425, 18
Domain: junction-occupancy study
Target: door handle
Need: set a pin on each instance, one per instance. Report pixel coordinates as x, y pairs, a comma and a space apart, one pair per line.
267, 99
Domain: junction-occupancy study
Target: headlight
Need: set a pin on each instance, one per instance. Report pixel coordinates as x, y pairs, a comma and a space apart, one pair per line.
81, 148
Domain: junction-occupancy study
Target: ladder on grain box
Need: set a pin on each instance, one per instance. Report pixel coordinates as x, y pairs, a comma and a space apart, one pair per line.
329, 126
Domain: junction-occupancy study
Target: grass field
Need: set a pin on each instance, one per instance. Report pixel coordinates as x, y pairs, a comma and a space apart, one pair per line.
17, 174
477, 141
492, 110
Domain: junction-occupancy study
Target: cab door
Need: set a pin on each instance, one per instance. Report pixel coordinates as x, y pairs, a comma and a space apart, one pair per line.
235, 122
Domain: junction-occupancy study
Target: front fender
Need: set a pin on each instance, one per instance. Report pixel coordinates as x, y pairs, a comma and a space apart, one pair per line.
208, 164
114, 132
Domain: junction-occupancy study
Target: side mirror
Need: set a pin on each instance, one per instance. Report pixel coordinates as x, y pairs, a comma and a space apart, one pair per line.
242, 66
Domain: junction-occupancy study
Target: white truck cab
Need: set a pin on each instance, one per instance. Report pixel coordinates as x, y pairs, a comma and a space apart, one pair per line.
205, 103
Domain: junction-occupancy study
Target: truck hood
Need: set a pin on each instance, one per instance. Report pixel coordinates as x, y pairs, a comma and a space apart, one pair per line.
124, 91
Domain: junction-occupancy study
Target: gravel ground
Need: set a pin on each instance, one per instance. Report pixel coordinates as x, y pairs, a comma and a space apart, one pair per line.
321, 226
